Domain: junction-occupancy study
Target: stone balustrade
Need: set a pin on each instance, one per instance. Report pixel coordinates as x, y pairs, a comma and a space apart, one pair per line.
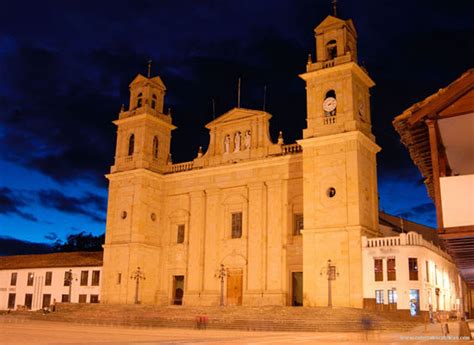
404, 239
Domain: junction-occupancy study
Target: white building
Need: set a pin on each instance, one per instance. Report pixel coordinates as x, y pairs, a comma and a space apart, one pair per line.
406, 271
36, 281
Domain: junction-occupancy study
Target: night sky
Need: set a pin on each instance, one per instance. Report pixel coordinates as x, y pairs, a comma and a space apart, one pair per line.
65, 67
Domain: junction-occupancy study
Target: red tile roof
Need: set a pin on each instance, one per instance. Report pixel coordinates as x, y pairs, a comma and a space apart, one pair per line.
72, 259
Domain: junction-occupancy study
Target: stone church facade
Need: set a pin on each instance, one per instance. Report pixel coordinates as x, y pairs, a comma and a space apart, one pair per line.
270, 215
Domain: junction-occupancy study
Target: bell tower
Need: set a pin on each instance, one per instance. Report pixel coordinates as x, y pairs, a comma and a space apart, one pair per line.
339, 168
144, 131
135, 205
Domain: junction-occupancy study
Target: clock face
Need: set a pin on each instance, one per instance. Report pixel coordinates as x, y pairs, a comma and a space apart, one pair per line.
329, 104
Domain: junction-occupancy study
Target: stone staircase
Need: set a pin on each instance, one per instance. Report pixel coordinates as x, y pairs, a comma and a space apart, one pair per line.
304, 319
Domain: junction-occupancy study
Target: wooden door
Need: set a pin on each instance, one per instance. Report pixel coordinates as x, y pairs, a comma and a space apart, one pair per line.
234, 287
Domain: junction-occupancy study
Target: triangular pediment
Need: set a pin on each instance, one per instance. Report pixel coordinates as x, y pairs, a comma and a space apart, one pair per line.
237, 114
139, 78
155, 80
334, 22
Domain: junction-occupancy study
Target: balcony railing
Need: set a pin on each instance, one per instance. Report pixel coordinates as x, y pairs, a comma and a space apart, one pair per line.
330, 120
291, 148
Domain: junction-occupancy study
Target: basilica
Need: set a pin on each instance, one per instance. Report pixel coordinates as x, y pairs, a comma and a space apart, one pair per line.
249, 221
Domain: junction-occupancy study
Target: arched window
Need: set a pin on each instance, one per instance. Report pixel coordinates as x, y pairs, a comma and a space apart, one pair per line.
330, 93
331, 47
155, 147
131, 144
153, 102
139, 100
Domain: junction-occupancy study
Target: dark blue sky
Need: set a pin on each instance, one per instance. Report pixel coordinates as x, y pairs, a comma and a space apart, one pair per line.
65, 67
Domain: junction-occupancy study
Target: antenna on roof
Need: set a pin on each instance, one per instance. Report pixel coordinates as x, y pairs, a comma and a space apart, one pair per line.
264, 97
149, 68
238, 94
334, 8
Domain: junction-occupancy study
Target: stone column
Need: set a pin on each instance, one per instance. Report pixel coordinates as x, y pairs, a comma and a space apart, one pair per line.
256, 225
211, 245
193, 279
275, 255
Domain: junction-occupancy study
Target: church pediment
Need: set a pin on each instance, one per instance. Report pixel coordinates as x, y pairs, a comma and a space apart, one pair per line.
334, 22
142, 79
237, 115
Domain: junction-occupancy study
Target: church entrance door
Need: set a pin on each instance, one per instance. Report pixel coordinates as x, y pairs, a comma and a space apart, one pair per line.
297, 289
178, 289
234, 287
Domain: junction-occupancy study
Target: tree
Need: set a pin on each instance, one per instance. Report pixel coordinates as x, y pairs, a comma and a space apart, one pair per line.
80, 242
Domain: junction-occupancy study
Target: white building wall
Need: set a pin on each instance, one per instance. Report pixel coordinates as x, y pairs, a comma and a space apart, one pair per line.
457, 200
443, 274
39, 289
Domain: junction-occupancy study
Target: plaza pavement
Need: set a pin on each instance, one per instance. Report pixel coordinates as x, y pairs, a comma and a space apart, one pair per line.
24, 331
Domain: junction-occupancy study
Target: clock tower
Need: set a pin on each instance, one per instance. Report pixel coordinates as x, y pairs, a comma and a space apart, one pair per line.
339, 169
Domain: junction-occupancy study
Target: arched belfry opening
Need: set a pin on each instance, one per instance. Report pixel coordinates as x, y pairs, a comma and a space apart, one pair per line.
139, 100
131, 144
331, 49
153, 101
155, 147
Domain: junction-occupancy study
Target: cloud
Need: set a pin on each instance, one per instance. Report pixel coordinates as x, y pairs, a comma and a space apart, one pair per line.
87, 205
12, 202
51, 236
13, 246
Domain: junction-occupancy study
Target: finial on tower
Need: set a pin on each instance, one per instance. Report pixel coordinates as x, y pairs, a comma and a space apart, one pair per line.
334, 8
149, 68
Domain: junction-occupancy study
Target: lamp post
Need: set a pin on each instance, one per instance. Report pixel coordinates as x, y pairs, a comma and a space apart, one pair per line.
221, 273
68, 280
137, 276
331, 273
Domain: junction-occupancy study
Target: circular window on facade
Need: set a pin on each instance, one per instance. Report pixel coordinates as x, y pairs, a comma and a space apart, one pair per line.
153, 216
124, 214
331, 192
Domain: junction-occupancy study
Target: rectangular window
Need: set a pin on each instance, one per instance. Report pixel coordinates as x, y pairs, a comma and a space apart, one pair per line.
48, 278
391, 269
237, 225
180, 238
31, 277
82, 298
427, 268
119, 278
64, 298
392, 296
67, 278
84, 278
11, 300
95, 278
379, 296
94, 298
13, 278
298, 224
28, 300
413, 268
46, 300
378, 270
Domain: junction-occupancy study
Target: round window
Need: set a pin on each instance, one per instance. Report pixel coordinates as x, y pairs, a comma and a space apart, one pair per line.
331, 192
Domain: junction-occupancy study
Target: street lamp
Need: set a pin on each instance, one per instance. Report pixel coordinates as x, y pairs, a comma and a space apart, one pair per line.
221, 273
137, 276
68, 280
331, 273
